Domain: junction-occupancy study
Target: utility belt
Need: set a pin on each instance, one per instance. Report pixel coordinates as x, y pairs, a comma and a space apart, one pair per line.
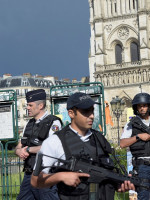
144, 161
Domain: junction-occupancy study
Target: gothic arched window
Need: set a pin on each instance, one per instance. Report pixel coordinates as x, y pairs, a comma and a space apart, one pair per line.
118, 53
115, 4
134, 48
133, 4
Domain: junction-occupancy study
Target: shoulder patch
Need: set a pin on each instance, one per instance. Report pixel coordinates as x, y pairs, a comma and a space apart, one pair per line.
55, 128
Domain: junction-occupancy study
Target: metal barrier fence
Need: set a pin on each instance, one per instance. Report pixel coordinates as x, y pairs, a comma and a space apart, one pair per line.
12, 176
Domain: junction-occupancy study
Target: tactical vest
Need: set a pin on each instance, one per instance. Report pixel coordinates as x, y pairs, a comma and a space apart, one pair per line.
140, 148
35, 134
97, 148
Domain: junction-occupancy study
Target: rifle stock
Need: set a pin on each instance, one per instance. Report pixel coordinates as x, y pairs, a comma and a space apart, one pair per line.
38, 166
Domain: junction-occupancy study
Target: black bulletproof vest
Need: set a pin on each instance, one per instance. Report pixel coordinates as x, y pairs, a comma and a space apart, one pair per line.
140, 148
97, 147
36, 134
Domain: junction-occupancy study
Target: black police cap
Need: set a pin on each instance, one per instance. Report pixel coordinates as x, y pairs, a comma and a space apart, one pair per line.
80, 100
35, 95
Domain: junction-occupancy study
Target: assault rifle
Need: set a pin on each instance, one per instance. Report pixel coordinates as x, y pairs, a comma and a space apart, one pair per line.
97, 174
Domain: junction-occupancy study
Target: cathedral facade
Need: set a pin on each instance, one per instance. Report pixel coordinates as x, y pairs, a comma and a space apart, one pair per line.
119, 54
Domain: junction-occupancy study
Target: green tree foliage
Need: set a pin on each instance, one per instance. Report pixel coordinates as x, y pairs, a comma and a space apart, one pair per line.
121, 155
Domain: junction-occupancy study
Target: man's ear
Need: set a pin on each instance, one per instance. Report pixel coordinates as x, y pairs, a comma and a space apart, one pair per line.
71, 114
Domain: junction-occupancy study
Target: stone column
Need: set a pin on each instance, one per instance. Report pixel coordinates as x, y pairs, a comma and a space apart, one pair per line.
127, 6
104, 6
91, 10
118, 7
136, 5
98, 8
123, 6
109, 8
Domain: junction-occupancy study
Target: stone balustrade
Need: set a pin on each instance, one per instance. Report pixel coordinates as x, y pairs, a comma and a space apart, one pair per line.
124, 77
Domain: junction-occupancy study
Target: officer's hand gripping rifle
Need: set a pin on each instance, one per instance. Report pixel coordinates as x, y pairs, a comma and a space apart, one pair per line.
97, 174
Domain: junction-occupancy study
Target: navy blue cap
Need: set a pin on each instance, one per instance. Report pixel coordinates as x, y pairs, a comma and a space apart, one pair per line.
80, 100
35, 95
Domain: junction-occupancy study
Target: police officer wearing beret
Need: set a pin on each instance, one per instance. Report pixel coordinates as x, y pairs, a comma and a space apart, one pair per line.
135, 135
78, 139
39, 127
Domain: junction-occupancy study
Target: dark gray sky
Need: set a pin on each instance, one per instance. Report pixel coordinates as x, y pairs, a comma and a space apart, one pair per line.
45, 37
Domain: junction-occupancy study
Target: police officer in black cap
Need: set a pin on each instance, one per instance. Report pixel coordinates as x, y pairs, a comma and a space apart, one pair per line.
77, 139
136, 135
39, 127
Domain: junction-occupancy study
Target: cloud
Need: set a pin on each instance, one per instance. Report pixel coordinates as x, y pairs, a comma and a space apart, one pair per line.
44, 37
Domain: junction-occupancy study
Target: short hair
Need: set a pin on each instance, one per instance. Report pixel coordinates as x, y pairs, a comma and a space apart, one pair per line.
41, 101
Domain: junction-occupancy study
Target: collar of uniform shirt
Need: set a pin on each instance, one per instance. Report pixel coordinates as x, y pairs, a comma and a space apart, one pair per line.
41, 118
83, 138
147, 122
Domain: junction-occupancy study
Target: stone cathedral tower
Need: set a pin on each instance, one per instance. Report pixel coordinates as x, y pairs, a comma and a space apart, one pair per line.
119, 54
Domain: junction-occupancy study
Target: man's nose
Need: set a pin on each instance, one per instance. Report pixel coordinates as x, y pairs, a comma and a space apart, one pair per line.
91, 115
142, 107
27, 107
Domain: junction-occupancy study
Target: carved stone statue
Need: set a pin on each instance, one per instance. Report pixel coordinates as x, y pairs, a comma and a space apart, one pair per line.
144, 75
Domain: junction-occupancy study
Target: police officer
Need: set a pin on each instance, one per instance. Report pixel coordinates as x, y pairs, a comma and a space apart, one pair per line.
136, 135
39, 127
77, 139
